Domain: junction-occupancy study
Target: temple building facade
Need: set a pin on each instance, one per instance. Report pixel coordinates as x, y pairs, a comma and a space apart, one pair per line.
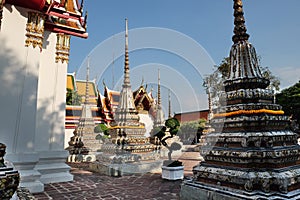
103, 106
35, 44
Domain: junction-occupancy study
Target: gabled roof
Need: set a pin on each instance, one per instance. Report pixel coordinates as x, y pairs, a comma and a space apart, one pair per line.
141, 97
112, 95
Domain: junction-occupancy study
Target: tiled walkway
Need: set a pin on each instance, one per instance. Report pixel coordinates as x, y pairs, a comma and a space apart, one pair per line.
92, 186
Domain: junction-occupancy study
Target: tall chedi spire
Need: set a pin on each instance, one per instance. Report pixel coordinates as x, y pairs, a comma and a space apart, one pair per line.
126, 111
159, 118
128, 130
251, 154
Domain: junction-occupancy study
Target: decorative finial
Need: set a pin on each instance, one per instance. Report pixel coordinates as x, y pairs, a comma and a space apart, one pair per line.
158, 90
85, 20
142, 82
126, 64
103, 82
240, 30
81, 6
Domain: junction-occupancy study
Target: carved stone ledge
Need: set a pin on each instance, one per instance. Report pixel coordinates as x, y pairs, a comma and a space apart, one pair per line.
265, 181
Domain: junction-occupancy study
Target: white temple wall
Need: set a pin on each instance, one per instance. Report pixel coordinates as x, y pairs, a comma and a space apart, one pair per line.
50, 117
19, 77
32, 103
51, 98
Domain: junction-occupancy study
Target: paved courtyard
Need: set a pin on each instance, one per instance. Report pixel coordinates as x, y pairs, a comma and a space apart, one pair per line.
90, 186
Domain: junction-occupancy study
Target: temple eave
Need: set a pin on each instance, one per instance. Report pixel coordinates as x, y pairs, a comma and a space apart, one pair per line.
31, 4
64, 15
66, 30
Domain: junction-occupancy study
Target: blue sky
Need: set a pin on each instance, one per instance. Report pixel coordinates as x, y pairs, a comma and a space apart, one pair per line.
273, 25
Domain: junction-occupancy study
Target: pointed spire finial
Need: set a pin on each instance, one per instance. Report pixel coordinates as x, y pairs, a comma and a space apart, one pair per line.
126, 64
169, 96
240, 30
87, 82
158, 90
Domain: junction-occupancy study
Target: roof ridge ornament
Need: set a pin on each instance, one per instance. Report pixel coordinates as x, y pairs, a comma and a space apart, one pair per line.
240, 30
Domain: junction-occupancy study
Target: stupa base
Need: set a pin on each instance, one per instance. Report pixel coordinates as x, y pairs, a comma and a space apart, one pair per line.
75, 158
126, 163
191, 190
126, 168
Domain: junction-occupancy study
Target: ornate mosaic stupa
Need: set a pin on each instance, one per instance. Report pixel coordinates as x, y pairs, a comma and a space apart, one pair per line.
251, 154
9, 177
128, 132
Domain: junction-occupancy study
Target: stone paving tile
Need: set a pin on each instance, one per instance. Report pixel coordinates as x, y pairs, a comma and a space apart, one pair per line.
97, 186
93, 186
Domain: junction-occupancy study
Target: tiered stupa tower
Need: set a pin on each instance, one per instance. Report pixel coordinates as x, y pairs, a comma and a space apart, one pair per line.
128, 131
251, 155
84, 140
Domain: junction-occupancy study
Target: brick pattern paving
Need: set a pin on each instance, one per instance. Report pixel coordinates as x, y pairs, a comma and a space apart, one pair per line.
93, 186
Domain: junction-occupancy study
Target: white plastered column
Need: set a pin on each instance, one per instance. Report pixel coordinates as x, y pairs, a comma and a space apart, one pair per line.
19, 81
50, 118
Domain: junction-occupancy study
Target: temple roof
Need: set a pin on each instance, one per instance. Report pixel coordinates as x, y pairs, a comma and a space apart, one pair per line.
142, 100
65, 16
112, 95
81, 87
32, 4
62, 16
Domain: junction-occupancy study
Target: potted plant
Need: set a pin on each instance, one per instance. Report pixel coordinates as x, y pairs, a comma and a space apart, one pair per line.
171, 169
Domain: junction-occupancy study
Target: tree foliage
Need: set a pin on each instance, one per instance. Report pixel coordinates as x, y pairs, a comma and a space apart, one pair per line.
172, 127
214, 82
190, 131
193, 126
289, 99
274, 81
101, 128
73, 98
